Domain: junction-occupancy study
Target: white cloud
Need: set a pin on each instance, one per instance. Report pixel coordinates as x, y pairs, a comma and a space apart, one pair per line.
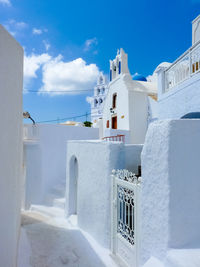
17, 24
33, 63
5, 2
20, 25
14, 26
90, 43
70, 76
59, 76
46, 44
37, 31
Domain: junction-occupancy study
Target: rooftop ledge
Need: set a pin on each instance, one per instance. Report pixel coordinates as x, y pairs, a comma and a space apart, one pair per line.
187, 65
97, 141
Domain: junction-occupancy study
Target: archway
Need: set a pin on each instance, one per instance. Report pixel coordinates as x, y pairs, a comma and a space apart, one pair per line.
73, 185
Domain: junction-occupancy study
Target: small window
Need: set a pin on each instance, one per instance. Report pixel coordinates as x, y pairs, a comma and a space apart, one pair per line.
107, 124
119, 67
114, 103
95, 102
193, 67
110, 75
197, 66
101, 80
100, 100
98, 91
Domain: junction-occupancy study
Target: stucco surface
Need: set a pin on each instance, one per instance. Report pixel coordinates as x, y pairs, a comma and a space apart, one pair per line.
133, 157
184, 168
155, 192
180, 100
170, 188
32, 174
95, 163
11, 85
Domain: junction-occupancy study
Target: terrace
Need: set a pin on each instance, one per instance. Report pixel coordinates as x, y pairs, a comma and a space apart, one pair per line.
183, 68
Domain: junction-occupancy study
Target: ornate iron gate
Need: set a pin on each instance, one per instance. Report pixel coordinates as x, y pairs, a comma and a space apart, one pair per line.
125, 199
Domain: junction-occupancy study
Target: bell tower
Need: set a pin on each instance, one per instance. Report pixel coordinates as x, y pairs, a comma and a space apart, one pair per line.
119, 65
97, 100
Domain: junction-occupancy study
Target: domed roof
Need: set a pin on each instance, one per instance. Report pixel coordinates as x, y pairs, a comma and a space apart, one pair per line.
139, 77
191, 115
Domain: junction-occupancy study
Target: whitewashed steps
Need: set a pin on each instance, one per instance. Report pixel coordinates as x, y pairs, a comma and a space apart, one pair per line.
49, 211
59, 203
183, 257
72, 220
58, 191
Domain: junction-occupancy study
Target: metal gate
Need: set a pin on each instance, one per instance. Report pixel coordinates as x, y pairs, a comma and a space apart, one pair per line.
124, 222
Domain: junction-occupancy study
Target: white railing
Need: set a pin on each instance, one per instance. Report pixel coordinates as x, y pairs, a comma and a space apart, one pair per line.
184, 67
117, 138
30, 132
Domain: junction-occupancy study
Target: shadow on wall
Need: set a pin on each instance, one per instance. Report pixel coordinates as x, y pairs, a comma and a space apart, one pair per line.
73, 185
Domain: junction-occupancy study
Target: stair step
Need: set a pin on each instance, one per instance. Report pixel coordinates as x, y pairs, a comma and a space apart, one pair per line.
59, 190
49, 211
59, 203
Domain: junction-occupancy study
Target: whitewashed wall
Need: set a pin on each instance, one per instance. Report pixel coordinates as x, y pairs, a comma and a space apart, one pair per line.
131, 106
46, 159
95, 161
195, 30
119, 87
33, 184
138, 118
179, 100
170, 188
152, 110
11, 84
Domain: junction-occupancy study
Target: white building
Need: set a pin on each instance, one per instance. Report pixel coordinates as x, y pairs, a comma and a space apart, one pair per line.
97, 101
178, 83
128, 102
45, 149
11, 86
166, 220
153, 221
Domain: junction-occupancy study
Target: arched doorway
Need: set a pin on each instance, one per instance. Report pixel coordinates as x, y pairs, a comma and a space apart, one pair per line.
73, 185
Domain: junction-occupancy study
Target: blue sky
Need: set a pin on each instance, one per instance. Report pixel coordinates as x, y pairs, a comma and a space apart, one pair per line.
67, 42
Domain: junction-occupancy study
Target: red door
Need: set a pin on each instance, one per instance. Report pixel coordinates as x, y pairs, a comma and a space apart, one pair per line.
114, 122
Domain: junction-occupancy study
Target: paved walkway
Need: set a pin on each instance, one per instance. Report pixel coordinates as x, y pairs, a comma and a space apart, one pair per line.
47, 242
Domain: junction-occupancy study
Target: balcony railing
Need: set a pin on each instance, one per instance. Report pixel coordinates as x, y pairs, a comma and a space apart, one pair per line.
184, 67
118, 138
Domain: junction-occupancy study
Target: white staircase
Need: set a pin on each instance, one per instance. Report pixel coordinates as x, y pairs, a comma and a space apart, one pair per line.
59, 203
55, 201
53, 212
56, 196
